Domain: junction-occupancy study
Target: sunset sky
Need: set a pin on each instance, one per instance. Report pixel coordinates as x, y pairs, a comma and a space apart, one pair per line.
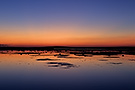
67, 22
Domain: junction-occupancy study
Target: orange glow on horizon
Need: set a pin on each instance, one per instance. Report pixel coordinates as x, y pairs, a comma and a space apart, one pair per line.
66, 36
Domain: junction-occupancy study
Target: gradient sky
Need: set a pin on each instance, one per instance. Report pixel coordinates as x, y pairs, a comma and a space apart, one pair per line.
67, 22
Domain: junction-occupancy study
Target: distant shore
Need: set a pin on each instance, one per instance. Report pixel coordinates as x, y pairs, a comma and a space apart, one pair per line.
68, 48
77, 50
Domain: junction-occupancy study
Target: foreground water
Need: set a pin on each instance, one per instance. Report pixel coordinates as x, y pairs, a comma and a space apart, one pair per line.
54, 71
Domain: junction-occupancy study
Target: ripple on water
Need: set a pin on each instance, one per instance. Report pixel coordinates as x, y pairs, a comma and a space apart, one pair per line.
115, 63
62, 65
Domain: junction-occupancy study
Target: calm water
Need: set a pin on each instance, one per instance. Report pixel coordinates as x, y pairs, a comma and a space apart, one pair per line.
51, 71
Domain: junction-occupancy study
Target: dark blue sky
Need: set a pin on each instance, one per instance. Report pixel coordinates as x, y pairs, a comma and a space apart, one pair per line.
87, 12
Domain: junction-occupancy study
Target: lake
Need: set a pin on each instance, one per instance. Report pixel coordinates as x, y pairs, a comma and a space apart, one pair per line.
51, 70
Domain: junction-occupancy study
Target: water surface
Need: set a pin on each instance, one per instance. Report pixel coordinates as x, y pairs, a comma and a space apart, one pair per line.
64, 71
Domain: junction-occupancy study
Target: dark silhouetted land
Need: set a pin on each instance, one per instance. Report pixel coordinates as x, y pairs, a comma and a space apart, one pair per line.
78, 51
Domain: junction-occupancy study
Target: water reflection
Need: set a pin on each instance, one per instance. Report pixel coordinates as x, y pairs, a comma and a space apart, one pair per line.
112, 57
62, 65
131, 59
61, 55
117, 63
41, 55
47, 59
103, 60
69, 57
69, 70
